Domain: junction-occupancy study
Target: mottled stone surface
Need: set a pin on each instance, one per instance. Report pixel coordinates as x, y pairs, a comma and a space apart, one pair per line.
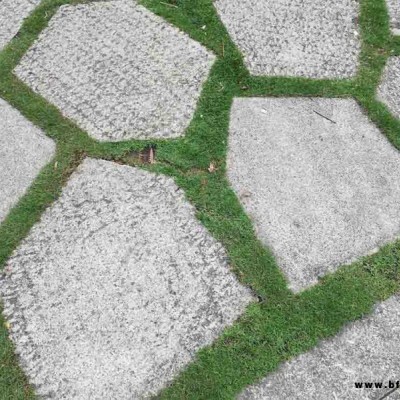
117, 287
12, 14
24, 151
319, 180
303, 38
117, 70
389, 89
394, 13
365, 351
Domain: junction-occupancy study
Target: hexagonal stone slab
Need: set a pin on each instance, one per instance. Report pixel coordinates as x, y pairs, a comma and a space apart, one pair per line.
317, 177
394, 13
12, 14
295, 37
117, 287
389, 89
119, 71
365, 351
24, 151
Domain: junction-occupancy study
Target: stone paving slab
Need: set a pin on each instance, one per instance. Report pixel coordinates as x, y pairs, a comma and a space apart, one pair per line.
24, 151
304, 38
117, 287
319, 180
389, 89
365, 351
119, 71
12, 14
394, 13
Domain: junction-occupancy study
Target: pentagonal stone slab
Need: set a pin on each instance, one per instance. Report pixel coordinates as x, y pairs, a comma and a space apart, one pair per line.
319, 180
117, 70
365, 351
394, 13
303, 38
24, 150
12, 14
117, 287
389, 89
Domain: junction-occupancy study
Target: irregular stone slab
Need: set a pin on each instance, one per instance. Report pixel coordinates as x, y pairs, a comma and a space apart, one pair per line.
365, 351
117, 287
12, 14
389, 89
317, 177
117, 70
394, 13
24, 151
304, 38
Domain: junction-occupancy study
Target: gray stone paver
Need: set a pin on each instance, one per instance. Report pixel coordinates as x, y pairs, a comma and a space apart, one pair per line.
365, 351
119, 71
117, 287
12, 14
321, 192
389, 89
303, 38
394, 13
24, 151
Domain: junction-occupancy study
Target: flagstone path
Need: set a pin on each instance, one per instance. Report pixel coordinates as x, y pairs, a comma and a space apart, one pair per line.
394, 12
389, 89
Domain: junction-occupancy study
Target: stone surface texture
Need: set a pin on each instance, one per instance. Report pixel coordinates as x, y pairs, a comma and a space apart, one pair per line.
303, 38
389, 89
394, 13
319, 180
119, 71
12, 14
117, 287
24, 151
365, 351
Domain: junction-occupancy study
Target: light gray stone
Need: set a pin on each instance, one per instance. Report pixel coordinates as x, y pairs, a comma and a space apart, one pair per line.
117, 70
117, 287
365, 351
319, 180
24, 151
12, 14
304, 38
394, 14
389, 89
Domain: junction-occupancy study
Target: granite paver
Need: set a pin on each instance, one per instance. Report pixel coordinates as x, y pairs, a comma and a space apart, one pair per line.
394, 14
304, 38
117, 287
389, 88
24, 151
119, 71
319, 180
364, 351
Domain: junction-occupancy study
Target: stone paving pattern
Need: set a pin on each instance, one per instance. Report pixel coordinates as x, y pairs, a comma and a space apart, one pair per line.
117, 287
140, 80
365, 351
319, 180
24, 151
12, 14
389, 89
394, 13
304, 38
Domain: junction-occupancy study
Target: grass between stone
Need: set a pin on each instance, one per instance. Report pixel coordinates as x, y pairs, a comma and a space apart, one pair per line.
282, 325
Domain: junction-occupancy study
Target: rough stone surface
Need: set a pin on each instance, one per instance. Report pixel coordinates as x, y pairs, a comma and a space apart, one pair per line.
365, 351
12, 14
389, 89
117, 70
24, 150
303, 38
394, 13
117, 287
321, 192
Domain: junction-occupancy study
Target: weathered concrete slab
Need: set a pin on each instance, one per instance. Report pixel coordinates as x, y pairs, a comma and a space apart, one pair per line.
304, 38
365, 351
394, 13
317, 177
12, 14
389, 89
117, 287
24, 151
117, 70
